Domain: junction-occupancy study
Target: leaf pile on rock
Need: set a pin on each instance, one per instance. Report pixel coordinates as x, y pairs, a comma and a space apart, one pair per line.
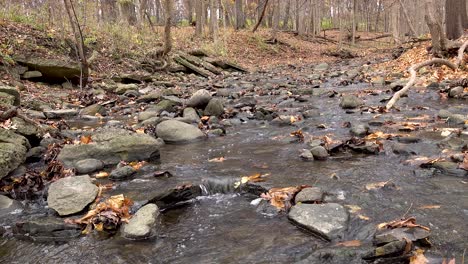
281, 197
106, 215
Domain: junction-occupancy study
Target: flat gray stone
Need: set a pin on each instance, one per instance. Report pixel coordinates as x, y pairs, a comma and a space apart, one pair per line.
141, 224
32, 74
173, 131
326, 220
71, 195
88, 165
312, 194
191, 115
351, 102
61, 113
199, 99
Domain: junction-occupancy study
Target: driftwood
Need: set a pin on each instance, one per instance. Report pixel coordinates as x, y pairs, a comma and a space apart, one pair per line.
200, 63
376, 38
192, 67
415, 67
226, 65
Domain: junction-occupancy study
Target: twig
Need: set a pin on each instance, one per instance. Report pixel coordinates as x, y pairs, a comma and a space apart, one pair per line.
407, 211
415, 67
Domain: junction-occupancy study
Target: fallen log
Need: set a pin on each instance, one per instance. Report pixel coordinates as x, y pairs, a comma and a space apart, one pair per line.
415, 67
226, 65
192, 67
200, 63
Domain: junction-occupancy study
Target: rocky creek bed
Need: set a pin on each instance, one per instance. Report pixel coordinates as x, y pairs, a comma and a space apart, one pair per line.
319, 126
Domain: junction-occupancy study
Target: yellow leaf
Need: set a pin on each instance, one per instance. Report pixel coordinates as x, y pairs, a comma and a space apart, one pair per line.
363, 217
377, 185
429, 207
353, 208
102, 174
140, 130
99, 227
85, 139
418, 257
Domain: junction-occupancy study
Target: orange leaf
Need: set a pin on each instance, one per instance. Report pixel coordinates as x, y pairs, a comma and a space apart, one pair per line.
101, 174
418, 258
85, 139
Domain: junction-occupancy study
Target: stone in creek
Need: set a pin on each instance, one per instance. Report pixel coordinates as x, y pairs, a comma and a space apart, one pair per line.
392, 248
8, 205
306, 155
319, 153
351, 102
13, 149
112, 145
450, 168
199, 99
142, 223
214, 108
46, 229
408, 140
122, 173
122, 88
311, 194
456, 92
402, 149
88, 165
326, 220
412, 234
93, 109
143, 116
71, 195
359, 130
61, 113
444, 114
190, 114
457, 119
173, 131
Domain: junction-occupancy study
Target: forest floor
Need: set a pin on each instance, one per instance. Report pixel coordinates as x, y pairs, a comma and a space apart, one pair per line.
385, 179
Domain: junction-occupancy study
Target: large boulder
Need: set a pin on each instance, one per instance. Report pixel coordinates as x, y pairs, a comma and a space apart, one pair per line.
173, 131
13, 92
326, 220
199, 99
142, 223
53, 70
112, 146
13, 149
71, 195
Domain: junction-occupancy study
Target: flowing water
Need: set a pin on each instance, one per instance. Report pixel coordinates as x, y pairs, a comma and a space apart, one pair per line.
226, 228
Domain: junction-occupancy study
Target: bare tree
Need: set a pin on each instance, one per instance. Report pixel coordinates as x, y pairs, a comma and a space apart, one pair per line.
79, 41
456, 18
240, 19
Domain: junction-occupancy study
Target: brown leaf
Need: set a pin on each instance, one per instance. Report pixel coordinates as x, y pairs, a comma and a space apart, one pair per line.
219, 159
464, 164
409, 222
281, 197
429, 207
351, 243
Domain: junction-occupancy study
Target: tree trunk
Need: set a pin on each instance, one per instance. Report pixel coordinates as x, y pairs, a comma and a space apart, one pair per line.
439, 42
261, 16
128, 11
287, 14
199, 18
276, 19
214, 21
408, 19
169, 8
79, 41
456, 18
240, 19
354, 22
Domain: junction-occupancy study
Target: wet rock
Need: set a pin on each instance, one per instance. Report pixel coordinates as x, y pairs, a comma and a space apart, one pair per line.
214, 108
112, 146
444, 114
173, 131
319, 153
61, 113
395, 248
457, 119
8, 205
351, 102
433, 86
336, 255
322, 67
456, 92
398, 85
366, 148
449, 168
164, 105
199, 99
142, 223
88, 165
46, 229
265, 208
397, 234
71, 195
93, 109
122, 88
11, 91
191, 115
311, 113
402, 149
408, 140
122, 173
282, 120
359, 130
246, 101
32, 74
306, 155
326, 220
309, 195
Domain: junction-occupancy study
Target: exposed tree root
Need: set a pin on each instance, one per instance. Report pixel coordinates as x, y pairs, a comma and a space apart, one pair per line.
415, 67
